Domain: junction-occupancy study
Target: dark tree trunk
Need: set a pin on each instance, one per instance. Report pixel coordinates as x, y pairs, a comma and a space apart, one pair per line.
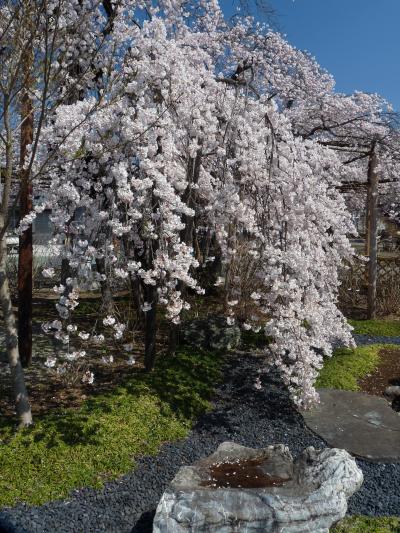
189, 197
136, 295
25, 250
65, 271
187, 234
150, 297
173, 338
25, 287
106, 292
135, 287
150, 327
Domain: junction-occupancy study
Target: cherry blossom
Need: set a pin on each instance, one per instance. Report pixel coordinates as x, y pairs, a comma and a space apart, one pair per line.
201, 131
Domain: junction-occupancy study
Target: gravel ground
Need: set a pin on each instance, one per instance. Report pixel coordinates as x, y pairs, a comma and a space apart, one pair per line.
369, 339
251, 417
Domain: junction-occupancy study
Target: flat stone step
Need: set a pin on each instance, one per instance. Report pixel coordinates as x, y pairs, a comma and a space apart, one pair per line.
362, 424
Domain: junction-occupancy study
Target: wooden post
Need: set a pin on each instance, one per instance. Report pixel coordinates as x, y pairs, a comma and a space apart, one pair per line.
25, 249
372, 229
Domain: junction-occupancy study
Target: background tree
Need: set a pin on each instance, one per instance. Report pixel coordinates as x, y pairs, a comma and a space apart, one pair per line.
39, 41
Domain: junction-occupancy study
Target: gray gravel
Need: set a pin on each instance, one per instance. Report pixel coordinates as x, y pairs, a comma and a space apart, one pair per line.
248, 416
369, 339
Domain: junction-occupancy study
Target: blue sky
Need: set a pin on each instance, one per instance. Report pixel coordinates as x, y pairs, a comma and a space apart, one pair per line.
358, 41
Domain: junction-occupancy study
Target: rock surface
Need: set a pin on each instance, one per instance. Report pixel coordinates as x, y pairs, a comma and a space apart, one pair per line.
309, 494
211, 333
362, 424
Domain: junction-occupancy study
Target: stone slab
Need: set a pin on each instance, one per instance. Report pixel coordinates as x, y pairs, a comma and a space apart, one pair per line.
362, 424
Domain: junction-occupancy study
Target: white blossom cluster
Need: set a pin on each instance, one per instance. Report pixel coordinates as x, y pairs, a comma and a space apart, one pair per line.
186, 123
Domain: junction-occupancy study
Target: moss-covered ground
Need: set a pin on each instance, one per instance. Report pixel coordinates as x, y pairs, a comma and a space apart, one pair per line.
367, 524
99, 441
347, 366
384, 328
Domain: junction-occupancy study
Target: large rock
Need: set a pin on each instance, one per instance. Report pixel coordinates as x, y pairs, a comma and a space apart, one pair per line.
211, 333
239, 489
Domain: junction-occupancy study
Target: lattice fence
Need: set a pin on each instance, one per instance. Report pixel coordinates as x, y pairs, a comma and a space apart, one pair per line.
353, 291
388, 268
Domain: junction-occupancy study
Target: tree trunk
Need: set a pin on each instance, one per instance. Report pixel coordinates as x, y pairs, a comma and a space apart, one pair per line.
106, 292
173, 339
22, 406
190, 197
187, 234
25, 284
373, 181
150, 327
65, 271
136, 295
21, 400
150, 295
25, 250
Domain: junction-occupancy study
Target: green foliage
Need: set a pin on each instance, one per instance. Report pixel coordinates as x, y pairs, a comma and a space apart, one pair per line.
69, 449
385, 328
346, 366
367, 524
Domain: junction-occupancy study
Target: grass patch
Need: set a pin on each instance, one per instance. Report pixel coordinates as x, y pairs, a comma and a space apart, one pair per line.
385, 328
69, 449
367, 524
347, 366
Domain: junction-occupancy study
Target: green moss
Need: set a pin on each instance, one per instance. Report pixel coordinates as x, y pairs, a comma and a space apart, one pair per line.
366, 524
69, 448
385, 328
346, 367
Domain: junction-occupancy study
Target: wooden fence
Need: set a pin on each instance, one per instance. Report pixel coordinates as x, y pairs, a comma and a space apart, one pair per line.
354, 278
